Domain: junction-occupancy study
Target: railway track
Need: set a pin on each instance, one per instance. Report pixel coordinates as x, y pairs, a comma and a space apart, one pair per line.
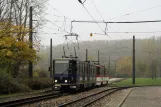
32, 99
53, 95
88, 100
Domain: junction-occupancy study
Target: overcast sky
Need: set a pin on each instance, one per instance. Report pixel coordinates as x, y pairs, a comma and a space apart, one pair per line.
60, 13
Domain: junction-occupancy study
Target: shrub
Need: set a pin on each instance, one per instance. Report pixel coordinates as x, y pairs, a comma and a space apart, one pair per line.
39, 83
42, 74
9, 84
23, 73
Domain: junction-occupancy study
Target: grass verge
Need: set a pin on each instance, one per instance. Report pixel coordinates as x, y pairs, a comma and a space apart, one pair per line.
33, 92
138, 82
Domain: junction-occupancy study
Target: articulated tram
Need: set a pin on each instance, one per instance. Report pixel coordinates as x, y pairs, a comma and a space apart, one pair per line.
74, 74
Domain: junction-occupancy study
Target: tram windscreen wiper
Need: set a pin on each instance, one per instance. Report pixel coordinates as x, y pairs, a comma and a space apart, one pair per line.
65, 71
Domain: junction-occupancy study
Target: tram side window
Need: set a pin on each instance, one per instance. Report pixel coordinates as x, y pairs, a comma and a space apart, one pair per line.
94, 70
105, 71
91, 70
84, 68
78, 70
79, 67
102, 72
70, 66
88, 69
98, 70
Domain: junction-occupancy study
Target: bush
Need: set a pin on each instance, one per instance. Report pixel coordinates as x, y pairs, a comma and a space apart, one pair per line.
23, 73
39, 83
42, 74
9, 84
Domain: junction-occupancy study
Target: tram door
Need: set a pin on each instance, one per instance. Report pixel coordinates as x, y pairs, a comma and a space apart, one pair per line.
72, 71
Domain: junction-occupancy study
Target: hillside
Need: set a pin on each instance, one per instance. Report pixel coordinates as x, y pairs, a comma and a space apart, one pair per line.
147, 51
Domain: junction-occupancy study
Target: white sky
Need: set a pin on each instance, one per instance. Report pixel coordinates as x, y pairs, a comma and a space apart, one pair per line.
111, 10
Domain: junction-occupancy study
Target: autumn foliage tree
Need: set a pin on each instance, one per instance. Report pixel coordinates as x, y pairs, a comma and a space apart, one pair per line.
124, 66
14, 47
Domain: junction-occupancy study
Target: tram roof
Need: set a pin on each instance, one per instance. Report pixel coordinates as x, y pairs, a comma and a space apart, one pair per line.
62, 59
100, 65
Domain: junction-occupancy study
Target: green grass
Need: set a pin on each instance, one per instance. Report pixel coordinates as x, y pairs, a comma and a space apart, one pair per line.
2, 96
139, 82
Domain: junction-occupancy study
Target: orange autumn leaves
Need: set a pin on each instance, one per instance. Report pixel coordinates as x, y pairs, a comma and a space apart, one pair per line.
14, 44
124, 65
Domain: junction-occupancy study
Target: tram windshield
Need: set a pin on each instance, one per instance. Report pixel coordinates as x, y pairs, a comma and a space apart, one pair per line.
61, 67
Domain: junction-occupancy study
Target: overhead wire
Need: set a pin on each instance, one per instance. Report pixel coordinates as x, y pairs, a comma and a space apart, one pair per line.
117, 22
64, 21
64, 24
97, 9
89, 14
127, 14
49, 33
131, 32
130, 14
63, 35
58, 26
144, 21
54, 25
53, 15
96, 21
58, 11
102, 19
91, 17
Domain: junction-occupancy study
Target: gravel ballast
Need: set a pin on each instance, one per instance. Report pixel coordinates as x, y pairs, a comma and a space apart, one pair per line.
59, 101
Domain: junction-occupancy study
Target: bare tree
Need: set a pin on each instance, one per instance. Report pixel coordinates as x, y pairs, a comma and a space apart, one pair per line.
16, 12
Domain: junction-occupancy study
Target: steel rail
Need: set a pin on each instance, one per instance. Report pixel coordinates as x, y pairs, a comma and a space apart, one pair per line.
92, 101
31, 99
78, 100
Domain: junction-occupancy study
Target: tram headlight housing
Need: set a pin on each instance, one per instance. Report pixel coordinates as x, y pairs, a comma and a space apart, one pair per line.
56, 80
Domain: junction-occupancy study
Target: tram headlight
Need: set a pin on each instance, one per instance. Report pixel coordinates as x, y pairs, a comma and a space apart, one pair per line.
56, 80
66, 80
